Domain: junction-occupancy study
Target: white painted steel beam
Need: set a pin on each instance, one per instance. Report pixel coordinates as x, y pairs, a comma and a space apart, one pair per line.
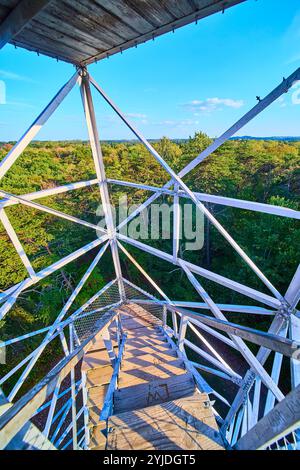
263, 104
292, 295
244, 350
18, 148
12, 294
15, 417
278, 324
176, 223
273, 342
54, 212
222, 280
294, 334
101, 176
177, 179
6, 202
16, 242
221, 200
144, 273
282, 88
59, 318
203, 306
279, 422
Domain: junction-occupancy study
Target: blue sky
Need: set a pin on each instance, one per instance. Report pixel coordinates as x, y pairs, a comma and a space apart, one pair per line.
202, 77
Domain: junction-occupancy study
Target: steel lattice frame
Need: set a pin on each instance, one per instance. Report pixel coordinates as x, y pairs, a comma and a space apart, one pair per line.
249, 404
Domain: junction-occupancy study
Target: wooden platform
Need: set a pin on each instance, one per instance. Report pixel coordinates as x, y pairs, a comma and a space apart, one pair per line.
156, 404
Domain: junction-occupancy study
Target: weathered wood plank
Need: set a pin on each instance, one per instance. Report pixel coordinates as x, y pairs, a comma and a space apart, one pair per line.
137, 375
97, 436
146, 346
127, 14
18, 18
146, 360
94, 359
154, 352
99, 376
183, 424
144, 341
162, 390
96, 396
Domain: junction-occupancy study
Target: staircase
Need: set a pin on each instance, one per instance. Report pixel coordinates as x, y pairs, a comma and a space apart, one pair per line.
156, 404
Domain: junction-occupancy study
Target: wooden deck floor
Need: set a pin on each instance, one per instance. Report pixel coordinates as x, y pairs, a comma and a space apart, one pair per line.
157, 404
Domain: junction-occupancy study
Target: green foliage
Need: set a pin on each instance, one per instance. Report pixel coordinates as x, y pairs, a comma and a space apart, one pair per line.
263, 171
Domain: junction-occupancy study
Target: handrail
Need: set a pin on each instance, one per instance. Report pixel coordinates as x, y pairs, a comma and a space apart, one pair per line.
15, 417
277, 343
283, 419
107, 405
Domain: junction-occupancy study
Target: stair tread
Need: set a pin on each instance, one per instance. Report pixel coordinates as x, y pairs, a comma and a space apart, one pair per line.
145, 330
153, 351
150, 393
96, 395
146, 360
98, 358
143, 341
99, 376
94, 415
100, 345
137, 374
181, 424
146, 344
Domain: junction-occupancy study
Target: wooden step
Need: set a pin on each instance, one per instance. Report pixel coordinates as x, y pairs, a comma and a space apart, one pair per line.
138, 310
147, 344
97, 358
153, 350
99, 344
145, 331
99, 376
137, 375
151, 393
182, 424
134, 324
96, 395
144, 340
146, 360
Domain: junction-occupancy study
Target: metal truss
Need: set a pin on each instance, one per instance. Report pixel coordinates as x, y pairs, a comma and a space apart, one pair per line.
257, 394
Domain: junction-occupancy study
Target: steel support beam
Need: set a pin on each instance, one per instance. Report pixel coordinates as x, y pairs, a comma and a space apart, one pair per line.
257, 109
100, 171
177, 179
280, 421
273, 342
221, 200
18, 148
223, 281
244, 350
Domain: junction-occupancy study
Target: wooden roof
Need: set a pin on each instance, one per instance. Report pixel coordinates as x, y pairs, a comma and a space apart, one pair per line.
84, 31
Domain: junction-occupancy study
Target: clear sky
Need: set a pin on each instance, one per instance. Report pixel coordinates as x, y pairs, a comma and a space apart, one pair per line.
202, 77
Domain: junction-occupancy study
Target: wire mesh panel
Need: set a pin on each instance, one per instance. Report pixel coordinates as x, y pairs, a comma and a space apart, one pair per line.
135, 292
86, 324
154, 309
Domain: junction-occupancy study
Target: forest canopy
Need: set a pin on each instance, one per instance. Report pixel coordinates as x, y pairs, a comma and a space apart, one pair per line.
266, 171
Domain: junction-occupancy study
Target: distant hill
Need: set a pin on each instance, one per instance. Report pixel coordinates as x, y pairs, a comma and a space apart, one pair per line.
249, 137
178, 141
